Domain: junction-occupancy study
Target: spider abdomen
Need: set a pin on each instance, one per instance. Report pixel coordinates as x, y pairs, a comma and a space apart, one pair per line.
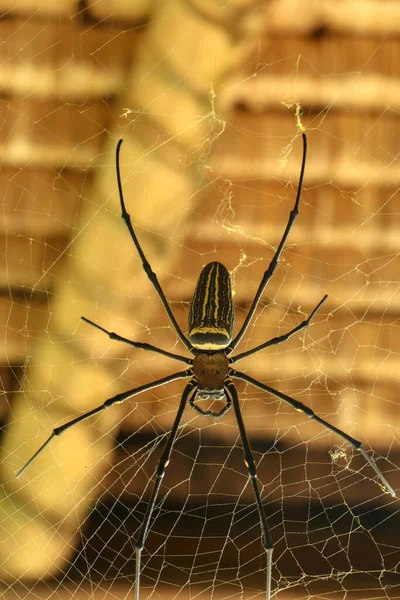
211, 315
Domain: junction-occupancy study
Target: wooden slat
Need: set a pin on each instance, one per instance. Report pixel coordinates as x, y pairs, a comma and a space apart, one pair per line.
11, 380
76, 63
124, 11
27, 7
292, 473
339, 151
246, 211
40, 202
44, 132
29, 263
367, 17
22, 322
120, 590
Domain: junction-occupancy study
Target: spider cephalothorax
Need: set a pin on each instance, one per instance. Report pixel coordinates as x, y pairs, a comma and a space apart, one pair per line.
211, 371
210, 374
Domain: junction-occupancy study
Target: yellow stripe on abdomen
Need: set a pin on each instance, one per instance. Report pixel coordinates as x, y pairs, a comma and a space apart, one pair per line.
211, 316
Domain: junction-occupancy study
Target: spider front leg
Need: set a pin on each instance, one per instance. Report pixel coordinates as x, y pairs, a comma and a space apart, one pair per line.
311, 414
274, 262
145, 263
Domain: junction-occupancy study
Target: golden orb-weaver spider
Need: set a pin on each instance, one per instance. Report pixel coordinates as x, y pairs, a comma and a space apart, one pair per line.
210, 333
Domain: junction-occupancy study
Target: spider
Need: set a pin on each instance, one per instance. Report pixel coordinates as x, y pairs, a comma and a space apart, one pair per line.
210, 372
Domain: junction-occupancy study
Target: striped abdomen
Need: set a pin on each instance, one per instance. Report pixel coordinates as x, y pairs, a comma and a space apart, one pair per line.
211, 316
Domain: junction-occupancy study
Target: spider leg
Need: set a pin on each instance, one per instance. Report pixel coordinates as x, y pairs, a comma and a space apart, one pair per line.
251, 467
141, 345
145, 263
280, 338
162, 465
310, 413
273, 264
118, 398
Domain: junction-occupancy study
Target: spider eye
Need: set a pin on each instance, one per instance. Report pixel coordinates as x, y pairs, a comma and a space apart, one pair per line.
202, 395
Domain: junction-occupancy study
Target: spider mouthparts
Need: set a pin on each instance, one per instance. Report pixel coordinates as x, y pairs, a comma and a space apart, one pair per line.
210, 394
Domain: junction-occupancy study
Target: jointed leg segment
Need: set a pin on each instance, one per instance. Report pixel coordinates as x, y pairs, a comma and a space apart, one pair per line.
162, 465
118, 398
145, 263
282, 338
274, 262
251, 467
310, 413
141, 345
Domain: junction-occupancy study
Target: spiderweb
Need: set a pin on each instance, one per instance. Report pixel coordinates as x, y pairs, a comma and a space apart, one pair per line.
210, 165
